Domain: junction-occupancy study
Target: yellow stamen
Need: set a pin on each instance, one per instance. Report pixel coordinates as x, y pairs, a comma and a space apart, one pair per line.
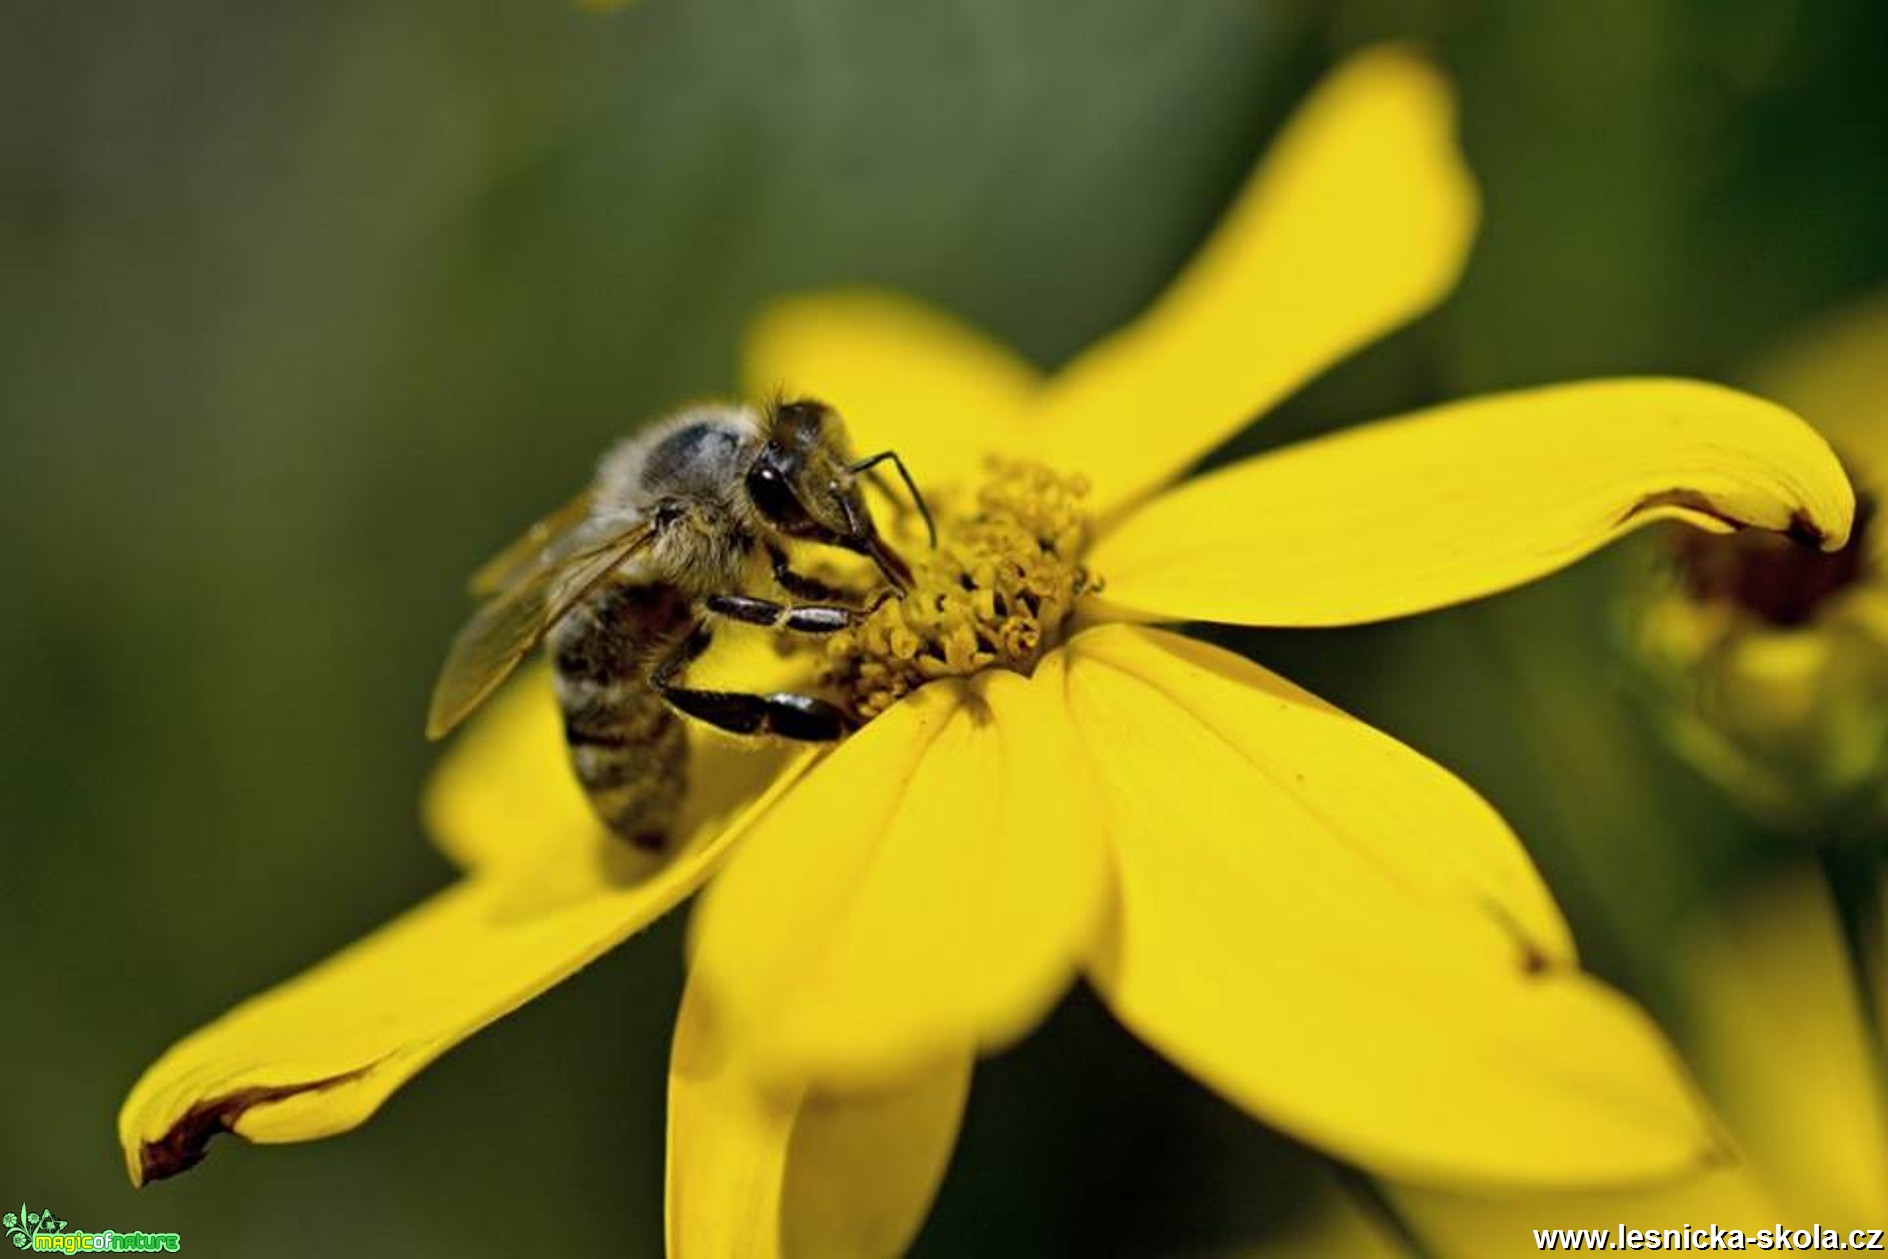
994, 594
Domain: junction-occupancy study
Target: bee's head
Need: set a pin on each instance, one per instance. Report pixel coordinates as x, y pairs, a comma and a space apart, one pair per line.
804, 484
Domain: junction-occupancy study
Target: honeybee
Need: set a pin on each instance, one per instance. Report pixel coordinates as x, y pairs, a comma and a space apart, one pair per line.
625, 582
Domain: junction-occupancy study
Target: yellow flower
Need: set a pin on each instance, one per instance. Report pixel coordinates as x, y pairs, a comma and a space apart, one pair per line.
1329, 929
1768, 664
1783, 1038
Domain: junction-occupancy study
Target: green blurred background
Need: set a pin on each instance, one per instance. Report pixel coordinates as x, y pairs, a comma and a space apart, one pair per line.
308, 307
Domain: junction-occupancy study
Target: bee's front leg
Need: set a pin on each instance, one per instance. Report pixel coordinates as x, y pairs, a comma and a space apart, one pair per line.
799, 585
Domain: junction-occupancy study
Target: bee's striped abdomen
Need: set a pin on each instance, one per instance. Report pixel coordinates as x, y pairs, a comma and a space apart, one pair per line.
628, 750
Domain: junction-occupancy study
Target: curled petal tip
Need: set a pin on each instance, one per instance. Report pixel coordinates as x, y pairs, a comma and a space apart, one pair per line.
1804, 529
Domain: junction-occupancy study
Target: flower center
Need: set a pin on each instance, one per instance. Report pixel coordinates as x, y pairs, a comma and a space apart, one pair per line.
1780, 581
995, 594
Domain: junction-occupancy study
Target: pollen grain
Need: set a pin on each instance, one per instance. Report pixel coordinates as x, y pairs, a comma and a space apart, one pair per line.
995, 594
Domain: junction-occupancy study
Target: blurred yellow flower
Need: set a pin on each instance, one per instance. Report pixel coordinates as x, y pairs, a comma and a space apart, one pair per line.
1332, 931
1785, 1047
1767, 664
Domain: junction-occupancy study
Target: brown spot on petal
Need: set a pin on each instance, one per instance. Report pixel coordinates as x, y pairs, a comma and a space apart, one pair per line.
1805, 532
1783, 579
1534, 957
188, 1140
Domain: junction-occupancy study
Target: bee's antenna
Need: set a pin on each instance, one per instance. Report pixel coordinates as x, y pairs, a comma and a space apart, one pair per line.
891, 457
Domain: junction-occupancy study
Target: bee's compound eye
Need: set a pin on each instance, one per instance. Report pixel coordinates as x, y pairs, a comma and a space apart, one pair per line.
772, 498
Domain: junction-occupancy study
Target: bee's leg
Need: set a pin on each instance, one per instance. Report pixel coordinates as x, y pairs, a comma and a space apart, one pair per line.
799, 717
801, 618
799, 585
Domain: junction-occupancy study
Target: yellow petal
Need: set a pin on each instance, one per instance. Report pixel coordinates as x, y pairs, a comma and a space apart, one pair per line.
1786, 1051
753, 1174
319, 1054
1331, 1224
1466, 500
504, 792
906, 377
1351, 797
1345, 940
1358, 220
1455, 1224
1836, 376
935, 887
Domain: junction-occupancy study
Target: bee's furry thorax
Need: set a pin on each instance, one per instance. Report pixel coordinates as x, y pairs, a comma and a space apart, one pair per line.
685, 472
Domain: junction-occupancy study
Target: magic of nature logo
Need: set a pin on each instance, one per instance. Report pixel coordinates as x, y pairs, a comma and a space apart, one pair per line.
43, 1231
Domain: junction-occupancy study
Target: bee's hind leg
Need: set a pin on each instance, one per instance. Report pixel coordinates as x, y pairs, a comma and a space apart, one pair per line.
802, 718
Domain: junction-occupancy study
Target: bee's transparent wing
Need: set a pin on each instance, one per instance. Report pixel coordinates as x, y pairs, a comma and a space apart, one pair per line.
510, 624
557, 532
